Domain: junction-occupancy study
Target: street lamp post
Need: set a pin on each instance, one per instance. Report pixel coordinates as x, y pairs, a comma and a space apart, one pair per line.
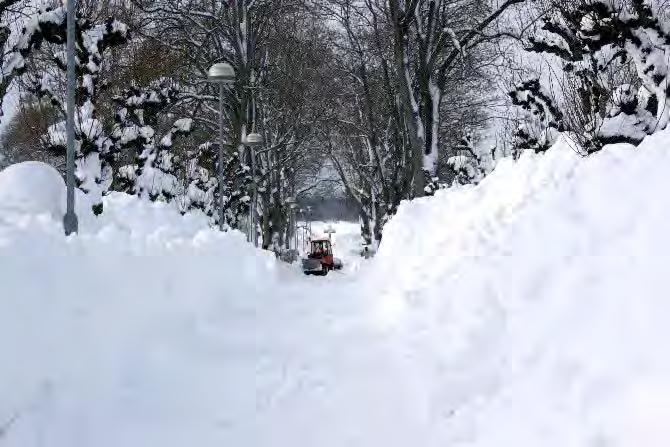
223, 74
253, 140
293, 223
70, 222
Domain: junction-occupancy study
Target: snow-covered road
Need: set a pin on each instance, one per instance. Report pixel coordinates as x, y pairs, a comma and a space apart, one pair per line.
119, 339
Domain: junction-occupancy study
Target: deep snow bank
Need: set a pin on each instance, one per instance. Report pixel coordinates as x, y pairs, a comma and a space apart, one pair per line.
103, 336
536, 306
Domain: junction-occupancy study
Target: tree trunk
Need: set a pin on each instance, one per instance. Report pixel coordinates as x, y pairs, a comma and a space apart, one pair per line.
413, 122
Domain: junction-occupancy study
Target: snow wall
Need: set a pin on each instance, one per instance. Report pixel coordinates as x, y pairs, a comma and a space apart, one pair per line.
536, 304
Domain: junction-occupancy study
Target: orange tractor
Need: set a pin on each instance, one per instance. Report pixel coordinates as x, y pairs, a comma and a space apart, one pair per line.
320, 259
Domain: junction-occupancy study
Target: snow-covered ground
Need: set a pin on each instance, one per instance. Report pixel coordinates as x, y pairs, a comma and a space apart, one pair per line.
528, 311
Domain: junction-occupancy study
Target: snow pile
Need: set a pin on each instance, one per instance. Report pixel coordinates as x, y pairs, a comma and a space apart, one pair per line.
107, 336
534, 307
32, 188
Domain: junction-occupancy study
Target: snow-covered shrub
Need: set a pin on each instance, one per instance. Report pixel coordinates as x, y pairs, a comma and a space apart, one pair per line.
596, 40
10, 67
236, 189
154, 173
541, 118
646, 40
4, 160
472, 163
629, 119
158, 164
200, 188
587, 80
93, 147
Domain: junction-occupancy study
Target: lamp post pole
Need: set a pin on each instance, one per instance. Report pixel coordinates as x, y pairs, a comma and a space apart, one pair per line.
253, 140
221, 160
223, 74
70, 222
254, 198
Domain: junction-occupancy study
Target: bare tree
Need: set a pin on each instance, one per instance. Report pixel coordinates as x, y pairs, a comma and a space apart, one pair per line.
430, 37
411, 78
366, 134
295, 87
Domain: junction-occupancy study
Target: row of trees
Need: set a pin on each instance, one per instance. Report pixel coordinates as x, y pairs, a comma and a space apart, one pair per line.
147, 121
390, 99
414, 81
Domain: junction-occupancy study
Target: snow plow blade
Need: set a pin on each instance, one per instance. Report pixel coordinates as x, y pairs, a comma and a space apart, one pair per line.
312, 266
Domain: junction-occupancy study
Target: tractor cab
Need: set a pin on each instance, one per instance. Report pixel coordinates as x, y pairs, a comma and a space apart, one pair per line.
320, 249
320, 259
